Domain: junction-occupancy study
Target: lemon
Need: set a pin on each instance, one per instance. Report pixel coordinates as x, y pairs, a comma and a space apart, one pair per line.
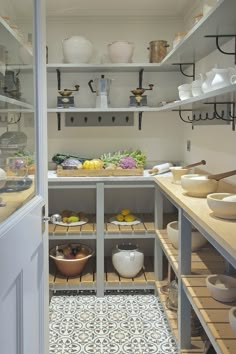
119, 217
129, 218
125, 212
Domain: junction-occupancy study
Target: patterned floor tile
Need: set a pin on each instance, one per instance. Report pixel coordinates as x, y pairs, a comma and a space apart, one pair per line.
114, 324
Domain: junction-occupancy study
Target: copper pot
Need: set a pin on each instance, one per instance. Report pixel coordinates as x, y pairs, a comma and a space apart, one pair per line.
157, 51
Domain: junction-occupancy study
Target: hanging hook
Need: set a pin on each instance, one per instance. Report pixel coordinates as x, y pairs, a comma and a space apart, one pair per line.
181, 117
188, 64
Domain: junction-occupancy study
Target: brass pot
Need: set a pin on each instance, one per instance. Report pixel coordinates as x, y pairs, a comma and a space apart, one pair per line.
157, 51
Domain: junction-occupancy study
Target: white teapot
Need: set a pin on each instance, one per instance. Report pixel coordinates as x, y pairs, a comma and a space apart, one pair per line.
222, 77
77, 49
207, 81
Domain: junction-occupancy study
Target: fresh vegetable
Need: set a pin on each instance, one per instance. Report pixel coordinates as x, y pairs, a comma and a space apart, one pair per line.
95, 164
59, 158
72, 163
115, 157
127, 162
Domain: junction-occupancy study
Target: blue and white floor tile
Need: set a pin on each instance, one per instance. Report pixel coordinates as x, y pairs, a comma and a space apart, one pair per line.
115, 324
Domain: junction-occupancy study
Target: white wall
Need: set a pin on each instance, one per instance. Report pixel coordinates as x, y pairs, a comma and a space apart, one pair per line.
161, 135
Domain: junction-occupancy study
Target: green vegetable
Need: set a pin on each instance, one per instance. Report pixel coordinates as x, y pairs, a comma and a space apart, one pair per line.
59, 158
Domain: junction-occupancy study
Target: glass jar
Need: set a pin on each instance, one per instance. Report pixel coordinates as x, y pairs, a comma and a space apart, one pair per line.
178, 38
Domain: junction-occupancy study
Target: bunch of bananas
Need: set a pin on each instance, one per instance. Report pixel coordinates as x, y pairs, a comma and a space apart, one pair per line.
125, 215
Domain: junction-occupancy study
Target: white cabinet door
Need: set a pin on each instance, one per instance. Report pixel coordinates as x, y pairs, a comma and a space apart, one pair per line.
23, 235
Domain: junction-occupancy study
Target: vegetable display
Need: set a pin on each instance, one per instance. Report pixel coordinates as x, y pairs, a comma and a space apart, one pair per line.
126, 159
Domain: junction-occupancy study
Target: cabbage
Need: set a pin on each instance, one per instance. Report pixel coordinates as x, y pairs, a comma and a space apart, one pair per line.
127, 162
70, 162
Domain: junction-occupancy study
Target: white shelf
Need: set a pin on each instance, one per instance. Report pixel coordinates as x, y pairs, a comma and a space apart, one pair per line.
111, 109
133, 67
220, 20
9, 102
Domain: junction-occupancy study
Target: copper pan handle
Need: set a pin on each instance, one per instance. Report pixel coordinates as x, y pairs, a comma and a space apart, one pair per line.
202, 162
222, 175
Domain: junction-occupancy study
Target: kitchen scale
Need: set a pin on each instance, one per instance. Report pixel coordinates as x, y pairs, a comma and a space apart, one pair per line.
66, 100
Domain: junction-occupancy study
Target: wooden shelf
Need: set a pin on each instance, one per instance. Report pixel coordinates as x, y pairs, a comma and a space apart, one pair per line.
146, 228
205, 261
87, 280
197, 342
213, 314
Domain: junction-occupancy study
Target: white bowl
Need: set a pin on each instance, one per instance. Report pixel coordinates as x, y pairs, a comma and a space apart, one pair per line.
198, 240
177, 172
196, 91
185, 94
198, 185
223, 205
222, 287
232, 318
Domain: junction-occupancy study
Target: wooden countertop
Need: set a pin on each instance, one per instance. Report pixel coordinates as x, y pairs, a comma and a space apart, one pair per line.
15, 200
222, 231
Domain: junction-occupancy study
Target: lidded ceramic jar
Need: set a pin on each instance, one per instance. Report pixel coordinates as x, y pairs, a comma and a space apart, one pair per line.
127, 260
121, 51
77, 49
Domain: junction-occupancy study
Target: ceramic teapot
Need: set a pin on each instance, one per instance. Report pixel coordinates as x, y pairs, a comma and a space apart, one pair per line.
221, 77
206, 81
77, 49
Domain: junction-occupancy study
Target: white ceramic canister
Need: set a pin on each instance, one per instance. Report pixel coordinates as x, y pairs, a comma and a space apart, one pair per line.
77, 49
127, 260
121, 51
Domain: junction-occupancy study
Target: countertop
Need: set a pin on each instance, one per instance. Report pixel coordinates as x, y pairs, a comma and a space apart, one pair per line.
222, 231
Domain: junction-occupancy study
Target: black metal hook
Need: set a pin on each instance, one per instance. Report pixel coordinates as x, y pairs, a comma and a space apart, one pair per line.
58, 121
58, 79
181, 117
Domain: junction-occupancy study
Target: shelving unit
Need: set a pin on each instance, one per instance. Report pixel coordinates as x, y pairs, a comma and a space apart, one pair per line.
192, 268
99, 231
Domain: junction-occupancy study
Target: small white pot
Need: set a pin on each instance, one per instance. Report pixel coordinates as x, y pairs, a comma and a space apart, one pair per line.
77, 49
121, 52
127, 260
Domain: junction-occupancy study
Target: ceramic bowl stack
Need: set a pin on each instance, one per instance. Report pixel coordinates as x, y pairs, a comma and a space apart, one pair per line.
197, 185
223, 205
222, 287
197, 88
198, 240
185, 91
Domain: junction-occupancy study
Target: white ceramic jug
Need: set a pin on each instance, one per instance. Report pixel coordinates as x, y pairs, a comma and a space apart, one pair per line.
127, 259
221, 78
121, 51
206, 81
77, 49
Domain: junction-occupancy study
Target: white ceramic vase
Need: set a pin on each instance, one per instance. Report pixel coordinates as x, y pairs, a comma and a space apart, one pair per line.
77, 49
121, 51
127, 260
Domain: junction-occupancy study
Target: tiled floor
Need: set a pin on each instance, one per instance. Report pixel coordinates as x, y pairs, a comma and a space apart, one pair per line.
115, 324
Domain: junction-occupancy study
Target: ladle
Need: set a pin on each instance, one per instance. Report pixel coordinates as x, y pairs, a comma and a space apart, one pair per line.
202, 162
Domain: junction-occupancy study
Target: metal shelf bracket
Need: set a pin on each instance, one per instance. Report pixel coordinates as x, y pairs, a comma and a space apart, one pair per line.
188, 64
217, 36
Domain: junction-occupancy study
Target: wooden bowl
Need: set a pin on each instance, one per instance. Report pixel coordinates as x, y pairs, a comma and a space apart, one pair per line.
71, 267
223, 205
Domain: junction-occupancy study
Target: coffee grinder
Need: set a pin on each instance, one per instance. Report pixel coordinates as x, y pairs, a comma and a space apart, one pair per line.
138, 99
102, 90
66, 100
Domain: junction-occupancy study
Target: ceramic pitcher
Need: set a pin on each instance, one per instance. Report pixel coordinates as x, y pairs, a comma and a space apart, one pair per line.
77, 49
121, 51
127, 259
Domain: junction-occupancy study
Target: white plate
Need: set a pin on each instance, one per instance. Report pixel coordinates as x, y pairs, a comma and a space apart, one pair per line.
78, 223
123, 223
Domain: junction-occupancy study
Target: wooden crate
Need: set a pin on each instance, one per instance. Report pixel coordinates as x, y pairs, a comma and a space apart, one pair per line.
98, 173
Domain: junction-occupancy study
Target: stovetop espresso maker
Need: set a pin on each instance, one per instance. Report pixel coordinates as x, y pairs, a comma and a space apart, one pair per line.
102, 90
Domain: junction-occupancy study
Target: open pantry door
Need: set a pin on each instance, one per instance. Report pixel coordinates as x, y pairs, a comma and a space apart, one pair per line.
23, 185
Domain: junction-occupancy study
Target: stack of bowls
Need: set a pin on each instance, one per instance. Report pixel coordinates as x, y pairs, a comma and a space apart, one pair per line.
185, 91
